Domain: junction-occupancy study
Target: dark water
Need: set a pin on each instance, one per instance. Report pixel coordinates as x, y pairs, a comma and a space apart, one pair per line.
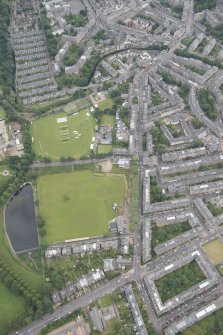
20, 221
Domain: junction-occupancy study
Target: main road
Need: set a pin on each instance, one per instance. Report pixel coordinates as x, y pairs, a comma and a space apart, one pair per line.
35, 327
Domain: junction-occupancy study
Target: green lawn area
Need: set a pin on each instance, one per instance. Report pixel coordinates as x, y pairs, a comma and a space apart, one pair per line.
104, 148
2, 111
78, 204
107, 103
108, 120
106, 301
12, 308
70, 138
3, 179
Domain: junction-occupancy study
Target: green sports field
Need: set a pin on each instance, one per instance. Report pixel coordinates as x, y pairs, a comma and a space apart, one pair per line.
12, 308
78, 204
60, 135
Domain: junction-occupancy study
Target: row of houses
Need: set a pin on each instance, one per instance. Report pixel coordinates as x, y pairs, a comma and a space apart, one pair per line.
88, 246
73, 290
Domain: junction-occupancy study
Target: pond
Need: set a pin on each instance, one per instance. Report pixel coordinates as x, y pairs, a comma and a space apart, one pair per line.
20, 220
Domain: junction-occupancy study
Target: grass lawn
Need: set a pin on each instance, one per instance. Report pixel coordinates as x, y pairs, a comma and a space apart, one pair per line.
106, 301
33, 279
3, 179
70, 138
104, 148
12, 308
108, 120
214, 249
78, 204
2, 111
107, 103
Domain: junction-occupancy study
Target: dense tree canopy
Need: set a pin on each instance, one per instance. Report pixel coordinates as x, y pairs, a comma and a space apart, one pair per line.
200, 5
6, 55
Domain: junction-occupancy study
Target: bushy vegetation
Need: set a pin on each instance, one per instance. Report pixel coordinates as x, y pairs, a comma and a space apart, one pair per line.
200, 5
101, 35
20, 166
73, 54
195, 144
124, 114
6, 56
34, 300
178, 9
163, 234
195, 69
77, 20
61, 271
135, 100
156, 191
214, 209
52, 41
179, 280
196, 123
84, 76
175, 131
217, 32
187, 54
187, 41
202, 45
159, 139
211, 325
126, 325
156, 99
207, 104
183, 89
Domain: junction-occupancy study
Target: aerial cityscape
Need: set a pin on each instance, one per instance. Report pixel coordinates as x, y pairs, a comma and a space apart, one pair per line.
111, 167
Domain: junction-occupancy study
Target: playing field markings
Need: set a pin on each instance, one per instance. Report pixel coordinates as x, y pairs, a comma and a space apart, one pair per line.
64, 130
62, 120
41, 148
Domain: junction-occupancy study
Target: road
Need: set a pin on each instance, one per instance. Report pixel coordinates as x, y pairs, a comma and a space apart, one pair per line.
82, 301
138, 272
